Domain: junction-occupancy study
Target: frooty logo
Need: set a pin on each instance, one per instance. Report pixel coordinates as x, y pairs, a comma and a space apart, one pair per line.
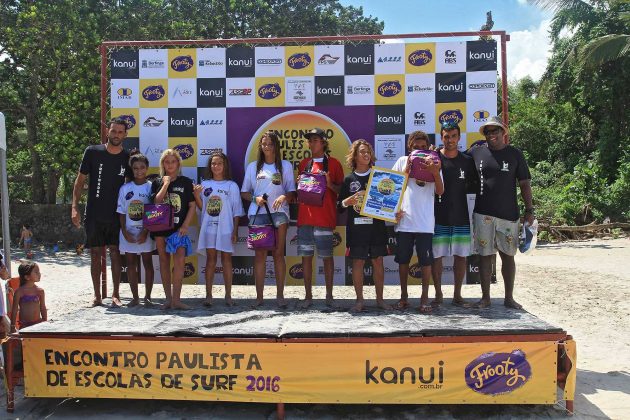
269, 91
296, 271
498, 373
189, 269
389, 88
420, 58
299, 61
130, 120
153, 93
449, 87
253, 237
186, 151
415, 271
451, 115
182, 63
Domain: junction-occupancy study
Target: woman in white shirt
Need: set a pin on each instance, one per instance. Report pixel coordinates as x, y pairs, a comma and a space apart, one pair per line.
269, 180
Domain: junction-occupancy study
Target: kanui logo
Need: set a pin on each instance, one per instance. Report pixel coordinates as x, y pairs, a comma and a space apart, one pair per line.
390, 119
481, 55
182, 122
124, 64
359, 59
450, 87
327, 59
211, 93
240, 62
329, 90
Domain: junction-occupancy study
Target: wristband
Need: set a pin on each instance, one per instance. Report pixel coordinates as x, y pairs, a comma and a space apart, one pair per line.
529, 210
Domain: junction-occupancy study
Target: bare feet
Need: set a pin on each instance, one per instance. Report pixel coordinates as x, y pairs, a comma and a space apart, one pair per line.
134, 302
437, 302
207, 302
180, 305
306, 303
229, 301
116, 303
482, 304
384, 306
401, 305
282, 304
330, 302
257, 303
511, 303
426, 309
96, 302
167, 305
358, 307
461, 302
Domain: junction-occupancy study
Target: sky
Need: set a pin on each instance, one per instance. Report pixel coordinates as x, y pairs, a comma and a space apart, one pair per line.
528, 49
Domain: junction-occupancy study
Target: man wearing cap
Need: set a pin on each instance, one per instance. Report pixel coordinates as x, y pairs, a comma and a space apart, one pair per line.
496, 215
317, 224
452, 223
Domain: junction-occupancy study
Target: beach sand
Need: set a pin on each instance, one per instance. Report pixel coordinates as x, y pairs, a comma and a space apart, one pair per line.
583, 287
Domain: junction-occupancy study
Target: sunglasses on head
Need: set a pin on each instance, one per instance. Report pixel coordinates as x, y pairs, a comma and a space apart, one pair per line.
449, 125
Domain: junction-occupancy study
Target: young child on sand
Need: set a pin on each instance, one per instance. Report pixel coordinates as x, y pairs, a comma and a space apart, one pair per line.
134, 238
176, 189
28, 298
365, 237
26, 239
220, 203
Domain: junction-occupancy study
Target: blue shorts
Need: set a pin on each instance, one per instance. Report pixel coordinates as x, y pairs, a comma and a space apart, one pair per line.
279, 218
314, 237
404, 247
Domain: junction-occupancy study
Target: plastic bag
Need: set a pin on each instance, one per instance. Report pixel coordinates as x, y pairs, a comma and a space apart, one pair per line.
529, 237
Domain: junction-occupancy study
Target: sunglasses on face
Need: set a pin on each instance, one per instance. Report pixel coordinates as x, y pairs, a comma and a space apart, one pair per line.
491, 131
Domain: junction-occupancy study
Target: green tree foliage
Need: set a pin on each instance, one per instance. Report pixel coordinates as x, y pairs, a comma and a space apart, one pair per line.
50, 65
574, 124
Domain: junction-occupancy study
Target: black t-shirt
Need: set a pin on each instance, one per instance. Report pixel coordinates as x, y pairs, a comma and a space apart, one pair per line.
180, 195
498, 172
106, 173
460, 178
360, 230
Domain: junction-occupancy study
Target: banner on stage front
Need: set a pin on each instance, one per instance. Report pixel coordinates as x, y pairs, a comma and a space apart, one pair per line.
383, 194
397, 373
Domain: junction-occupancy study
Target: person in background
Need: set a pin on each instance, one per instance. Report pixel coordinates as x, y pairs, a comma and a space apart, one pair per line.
29, 299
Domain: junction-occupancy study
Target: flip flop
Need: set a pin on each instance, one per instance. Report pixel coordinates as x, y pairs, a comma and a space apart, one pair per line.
426, 309
401, 305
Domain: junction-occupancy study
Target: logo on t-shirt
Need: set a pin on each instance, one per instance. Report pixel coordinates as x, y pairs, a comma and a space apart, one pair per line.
355, 186
135, 209
461, 174
175, 201
129, 195
122, 170
505, 167
276, 179
214, 205
207, 191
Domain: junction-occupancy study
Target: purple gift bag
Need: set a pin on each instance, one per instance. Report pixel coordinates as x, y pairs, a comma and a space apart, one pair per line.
262, 236
311, 187
157, 217
417, 171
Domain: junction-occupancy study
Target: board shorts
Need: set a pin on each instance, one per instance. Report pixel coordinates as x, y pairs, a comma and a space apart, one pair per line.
311, 238
102, 233
366, 252
451, 241
404, 247
492, 234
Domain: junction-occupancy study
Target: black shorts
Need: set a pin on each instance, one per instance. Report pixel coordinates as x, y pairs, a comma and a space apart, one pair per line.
366, 252
404, 247
102, 233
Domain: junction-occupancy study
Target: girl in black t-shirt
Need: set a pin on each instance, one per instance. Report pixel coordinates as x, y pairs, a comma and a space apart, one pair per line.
366, 237
176, 189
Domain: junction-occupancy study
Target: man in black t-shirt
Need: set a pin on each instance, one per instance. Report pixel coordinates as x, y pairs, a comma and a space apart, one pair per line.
496, 214
105, 165
452, 224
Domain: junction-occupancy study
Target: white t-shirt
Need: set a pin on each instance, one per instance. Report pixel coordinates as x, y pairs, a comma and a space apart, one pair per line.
268, 181
131, 200
417, 204
221, 203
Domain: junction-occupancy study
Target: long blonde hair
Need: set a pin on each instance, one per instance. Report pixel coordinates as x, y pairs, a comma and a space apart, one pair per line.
351, 157
170, 152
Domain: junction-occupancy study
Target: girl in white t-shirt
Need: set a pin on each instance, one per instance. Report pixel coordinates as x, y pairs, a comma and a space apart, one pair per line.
134, 238
220, 203
272, 176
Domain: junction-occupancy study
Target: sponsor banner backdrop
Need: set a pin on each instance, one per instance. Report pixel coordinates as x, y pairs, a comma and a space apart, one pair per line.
392, 373
202, 100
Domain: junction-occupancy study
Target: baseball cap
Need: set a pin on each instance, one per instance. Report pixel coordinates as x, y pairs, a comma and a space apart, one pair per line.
316, 132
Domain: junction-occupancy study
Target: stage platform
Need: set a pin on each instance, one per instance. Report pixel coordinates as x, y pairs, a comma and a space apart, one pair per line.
292, 322
320, 355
